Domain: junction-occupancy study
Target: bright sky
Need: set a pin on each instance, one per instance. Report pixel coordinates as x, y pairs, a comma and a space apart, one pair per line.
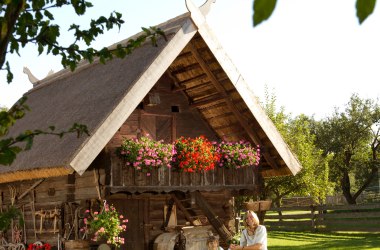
312, 54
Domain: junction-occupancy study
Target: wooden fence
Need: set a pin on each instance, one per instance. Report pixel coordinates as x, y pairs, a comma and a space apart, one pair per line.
325, 218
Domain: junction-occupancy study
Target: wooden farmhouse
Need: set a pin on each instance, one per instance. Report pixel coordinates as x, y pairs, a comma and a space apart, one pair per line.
186, 86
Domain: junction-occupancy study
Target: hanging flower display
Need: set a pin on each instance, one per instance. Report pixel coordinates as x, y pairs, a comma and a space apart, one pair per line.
106, 224
187, 154
194, 155
238, 154
145, 154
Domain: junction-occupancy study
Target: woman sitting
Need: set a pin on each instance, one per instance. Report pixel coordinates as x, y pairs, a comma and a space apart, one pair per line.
254, 236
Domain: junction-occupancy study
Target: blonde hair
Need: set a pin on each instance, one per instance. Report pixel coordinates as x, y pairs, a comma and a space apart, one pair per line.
254, 215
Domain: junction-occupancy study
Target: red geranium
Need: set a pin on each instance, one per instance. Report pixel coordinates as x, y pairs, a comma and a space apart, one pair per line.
36, 246
194, 155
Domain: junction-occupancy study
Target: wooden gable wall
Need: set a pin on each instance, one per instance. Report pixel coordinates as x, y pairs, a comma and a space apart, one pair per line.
163, 122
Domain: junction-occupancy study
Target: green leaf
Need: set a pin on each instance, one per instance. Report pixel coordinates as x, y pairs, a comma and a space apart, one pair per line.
49, 15
40, 48
364, 8
29, 142
262, 10
8, 155
9, 73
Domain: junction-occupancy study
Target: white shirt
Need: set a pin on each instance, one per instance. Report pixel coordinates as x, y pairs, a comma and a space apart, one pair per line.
260, 236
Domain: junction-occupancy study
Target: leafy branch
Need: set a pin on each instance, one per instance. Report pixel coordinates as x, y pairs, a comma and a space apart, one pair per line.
10, 146
30, 21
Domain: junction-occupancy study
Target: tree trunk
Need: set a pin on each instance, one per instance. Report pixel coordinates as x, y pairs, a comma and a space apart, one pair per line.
277, 201
346, 188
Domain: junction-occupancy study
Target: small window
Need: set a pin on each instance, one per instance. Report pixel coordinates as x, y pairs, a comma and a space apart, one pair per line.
175, 109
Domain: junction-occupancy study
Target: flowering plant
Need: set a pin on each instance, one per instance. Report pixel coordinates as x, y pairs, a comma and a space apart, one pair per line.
33, 246
238, 154
144, 154
106, 224
194, 155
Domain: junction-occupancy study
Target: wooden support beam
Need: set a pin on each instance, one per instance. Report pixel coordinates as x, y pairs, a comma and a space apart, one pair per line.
211, 216
227, 126
183, 55
221, 116
185, 69
215, 106
207, 101
31, 188
195, 87
231, 105
194, 79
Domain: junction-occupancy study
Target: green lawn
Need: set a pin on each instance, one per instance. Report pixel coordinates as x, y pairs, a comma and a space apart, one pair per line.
322, 241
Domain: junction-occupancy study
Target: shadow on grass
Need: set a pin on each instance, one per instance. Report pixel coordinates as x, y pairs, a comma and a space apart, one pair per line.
308, 240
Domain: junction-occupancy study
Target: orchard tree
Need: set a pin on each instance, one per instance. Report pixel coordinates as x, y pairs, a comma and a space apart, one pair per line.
25, 22
312, 180
263, 9
352, 137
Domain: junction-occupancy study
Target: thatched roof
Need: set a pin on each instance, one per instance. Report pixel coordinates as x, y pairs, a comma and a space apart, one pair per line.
104, 96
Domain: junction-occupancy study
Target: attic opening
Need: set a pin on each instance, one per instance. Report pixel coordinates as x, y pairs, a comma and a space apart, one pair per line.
175, 109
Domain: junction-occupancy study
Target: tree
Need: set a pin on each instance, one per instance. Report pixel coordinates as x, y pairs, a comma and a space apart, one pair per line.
312, 180
25, 22
352, 137
263, 9
32, 22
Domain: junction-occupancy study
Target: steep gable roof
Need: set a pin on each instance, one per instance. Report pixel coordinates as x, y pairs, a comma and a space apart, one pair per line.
104, 96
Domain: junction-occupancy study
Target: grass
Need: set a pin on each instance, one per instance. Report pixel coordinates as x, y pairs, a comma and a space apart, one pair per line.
334, 240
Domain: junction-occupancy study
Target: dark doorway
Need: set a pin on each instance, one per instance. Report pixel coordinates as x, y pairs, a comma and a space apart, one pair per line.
133, 210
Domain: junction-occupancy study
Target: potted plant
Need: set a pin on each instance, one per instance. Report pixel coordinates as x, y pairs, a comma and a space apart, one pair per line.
145, 154
105, 224
194, 155
235, 155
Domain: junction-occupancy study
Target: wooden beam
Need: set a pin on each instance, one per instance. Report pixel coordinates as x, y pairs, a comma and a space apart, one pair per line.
207, 101
194, 79
211, 216
185, 69
183, 55
231, 105
221, 116
31, 188
195, 87
226, 126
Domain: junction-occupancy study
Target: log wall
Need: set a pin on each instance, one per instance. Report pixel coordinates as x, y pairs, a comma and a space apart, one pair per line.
48, 197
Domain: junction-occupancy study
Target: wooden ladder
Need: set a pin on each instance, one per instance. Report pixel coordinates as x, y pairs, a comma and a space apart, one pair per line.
198, 210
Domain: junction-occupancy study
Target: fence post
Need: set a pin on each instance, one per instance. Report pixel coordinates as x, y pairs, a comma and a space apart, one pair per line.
312, 218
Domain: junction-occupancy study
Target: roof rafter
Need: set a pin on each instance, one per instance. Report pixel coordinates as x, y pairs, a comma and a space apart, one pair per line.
230, 104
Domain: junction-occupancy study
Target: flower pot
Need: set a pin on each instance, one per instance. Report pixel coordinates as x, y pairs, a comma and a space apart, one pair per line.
257, 206
77, 244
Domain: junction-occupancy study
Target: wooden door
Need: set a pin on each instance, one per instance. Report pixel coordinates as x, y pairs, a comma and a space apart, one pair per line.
158, 127
135, 211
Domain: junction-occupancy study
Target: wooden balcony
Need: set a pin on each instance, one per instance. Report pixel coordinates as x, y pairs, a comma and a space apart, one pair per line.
126, 179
